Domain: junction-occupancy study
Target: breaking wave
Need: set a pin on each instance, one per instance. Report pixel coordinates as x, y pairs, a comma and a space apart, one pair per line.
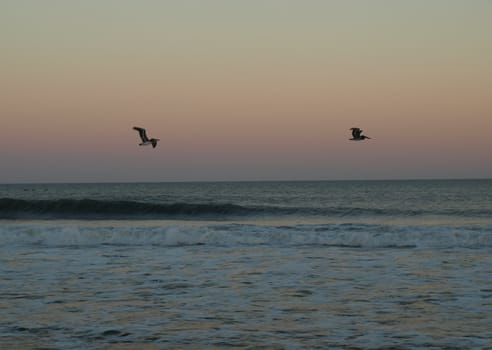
231, 235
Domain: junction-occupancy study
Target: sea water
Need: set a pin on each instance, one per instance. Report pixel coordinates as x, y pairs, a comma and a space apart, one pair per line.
273, 265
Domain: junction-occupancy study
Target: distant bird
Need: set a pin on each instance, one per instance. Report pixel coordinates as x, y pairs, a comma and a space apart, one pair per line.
145, 140
357, 135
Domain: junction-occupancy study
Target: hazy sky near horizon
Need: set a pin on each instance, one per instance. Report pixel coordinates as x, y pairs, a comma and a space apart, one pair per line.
244, 90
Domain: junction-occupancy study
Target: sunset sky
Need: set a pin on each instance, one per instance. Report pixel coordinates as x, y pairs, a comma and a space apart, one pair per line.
245, 90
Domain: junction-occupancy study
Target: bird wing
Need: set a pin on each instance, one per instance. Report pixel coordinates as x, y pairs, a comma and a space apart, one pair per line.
143, 134
356, 133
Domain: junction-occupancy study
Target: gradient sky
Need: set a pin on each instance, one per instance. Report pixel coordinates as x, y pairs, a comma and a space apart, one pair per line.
244, 90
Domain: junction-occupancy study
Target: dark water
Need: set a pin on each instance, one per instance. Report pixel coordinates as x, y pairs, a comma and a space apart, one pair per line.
287, 265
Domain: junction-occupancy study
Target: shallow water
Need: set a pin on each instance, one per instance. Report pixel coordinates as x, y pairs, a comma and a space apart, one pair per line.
101, 297
274, 282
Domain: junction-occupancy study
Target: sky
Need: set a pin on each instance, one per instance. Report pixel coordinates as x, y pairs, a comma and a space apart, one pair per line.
244, 90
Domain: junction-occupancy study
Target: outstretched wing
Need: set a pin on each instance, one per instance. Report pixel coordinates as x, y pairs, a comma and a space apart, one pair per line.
143, 134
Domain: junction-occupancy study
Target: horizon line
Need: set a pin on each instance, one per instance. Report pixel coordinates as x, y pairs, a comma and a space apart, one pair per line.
241, 181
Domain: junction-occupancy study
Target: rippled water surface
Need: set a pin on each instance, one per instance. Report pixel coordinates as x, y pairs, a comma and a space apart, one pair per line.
414, 277
248, 296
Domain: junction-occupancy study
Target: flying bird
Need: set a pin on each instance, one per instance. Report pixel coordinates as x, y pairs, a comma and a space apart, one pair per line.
357, 135
145, 140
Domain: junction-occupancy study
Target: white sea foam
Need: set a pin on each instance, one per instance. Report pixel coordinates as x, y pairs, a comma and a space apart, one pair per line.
342, 235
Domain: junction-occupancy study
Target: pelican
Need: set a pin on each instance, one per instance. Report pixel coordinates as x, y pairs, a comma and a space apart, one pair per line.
145, 140
357, 135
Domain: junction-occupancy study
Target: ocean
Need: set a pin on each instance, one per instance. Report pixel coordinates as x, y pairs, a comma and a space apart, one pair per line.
247, 265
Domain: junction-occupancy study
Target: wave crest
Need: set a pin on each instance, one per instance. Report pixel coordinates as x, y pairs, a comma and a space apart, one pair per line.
92, 209
336, 235
101, 209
